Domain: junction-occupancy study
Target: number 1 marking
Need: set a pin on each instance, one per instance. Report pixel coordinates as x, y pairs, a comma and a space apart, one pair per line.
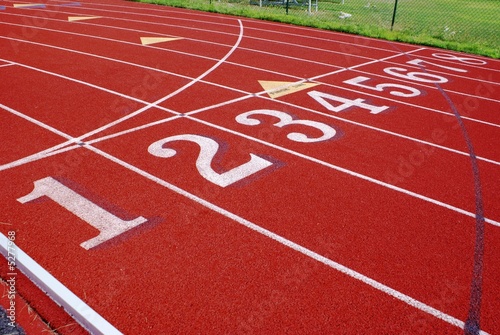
108, 224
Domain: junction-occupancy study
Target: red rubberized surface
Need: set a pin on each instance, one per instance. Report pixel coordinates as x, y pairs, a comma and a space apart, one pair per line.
375, 212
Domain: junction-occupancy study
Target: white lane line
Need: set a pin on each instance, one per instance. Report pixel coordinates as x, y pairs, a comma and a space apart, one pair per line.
84, 83
76, 307
43, 153
35, 121
290, 244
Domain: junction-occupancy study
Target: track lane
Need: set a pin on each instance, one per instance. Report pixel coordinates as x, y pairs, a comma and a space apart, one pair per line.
247, 321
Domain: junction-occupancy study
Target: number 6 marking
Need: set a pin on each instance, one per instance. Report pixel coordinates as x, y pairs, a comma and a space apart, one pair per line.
422, 77
285, 120
108, 224
208, 150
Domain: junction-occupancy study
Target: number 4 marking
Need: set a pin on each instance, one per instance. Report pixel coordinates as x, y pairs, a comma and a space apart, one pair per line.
346, 103
108, 224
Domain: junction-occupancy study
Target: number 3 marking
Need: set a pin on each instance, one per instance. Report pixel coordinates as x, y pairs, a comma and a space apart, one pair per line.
208, 150
285, 120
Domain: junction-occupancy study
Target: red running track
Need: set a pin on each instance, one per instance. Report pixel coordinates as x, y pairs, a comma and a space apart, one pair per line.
170, 171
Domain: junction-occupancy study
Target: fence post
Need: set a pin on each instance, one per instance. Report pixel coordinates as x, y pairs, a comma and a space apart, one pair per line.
287, 7
394, 13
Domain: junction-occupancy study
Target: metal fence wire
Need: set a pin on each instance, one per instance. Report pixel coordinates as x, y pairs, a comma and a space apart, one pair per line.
476, 21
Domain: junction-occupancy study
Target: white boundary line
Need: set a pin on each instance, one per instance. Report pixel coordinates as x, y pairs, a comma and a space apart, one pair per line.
77, 308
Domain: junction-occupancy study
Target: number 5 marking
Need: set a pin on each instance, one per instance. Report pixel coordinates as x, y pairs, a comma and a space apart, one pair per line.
380, 87
285, 120
208, 150
108, 224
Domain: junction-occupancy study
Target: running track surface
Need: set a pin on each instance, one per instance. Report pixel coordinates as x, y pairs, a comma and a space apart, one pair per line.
170, 171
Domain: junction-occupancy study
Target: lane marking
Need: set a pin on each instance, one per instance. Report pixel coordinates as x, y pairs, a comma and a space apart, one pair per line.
77, 308
81, 82
82, 18
155, 40
276, 89
70, 4
290, 244
29, 5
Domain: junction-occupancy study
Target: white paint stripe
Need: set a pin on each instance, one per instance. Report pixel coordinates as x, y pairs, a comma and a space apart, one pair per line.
35, 121
349, 172
288, 243
43, 153
100, 88
77, 308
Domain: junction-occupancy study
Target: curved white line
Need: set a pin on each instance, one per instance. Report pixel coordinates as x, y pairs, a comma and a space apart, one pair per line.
179, 90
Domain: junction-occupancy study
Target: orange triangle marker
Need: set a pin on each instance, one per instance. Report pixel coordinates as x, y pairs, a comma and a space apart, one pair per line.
154, 40
276, 89
81, 18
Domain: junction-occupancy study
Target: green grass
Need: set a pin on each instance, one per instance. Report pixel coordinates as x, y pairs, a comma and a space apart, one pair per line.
471, 26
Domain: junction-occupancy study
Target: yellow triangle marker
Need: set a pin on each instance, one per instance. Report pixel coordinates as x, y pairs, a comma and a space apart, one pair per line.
81, 18
276, 89
154, 40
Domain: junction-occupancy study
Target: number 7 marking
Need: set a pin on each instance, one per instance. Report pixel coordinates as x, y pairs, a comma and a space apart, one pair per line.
108, 224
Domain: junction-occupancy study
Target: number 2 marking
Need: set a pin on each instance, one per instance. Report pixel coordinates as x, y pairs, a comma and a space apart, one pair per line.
208, 150
108, 224
285, 120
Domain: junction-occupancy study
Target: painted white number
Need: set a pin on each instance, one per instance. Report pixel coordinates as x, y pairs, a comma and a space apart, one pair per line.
380, 87
208, 150
465, 60
416, 76
419, 62
345, 103
285, 120
108, 224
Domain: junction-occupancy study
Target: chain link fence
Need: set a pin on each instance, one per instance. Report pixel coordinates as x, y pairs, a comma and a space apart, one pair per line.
464, 25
